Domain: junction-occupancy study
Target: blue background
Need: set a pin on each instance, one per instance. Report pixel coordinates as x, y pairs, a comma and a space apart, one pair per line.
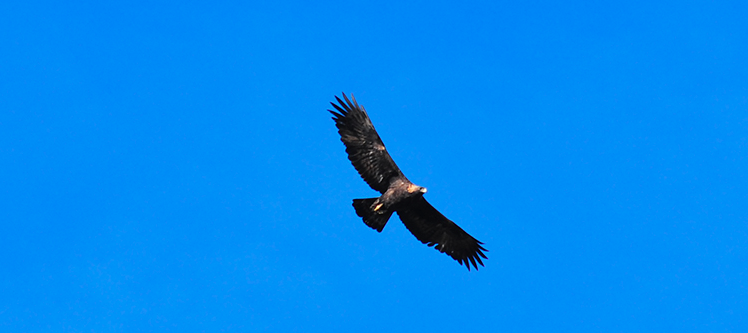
172, 165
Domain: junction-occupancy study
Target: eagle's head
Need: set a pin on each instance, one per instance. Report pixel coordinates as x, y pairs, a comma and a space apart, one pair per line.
413, 188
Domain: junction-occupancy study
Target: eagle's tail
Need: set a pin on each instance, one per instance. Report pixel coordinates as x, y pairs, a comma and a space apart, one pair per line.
375, 220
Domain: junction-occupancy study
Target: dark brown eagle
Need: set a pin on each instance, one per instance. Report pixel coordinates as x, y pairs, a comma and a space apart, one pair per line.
368, 155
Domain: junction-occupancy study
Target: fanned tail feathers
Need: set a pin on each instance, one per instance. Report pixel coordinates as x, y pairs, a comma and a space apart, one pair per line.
373, 219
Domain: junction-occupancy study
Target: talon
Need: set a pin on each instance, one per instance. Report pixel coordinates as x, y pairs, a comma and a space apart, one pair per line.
378, 206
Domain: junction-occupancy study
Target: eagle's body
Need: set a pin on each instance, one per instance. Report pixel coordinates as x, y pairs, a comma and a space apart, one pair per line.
370, 158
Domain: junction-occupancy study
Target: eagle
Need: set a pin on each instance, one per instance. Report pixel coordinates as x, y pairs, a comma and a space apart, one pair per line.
372, 161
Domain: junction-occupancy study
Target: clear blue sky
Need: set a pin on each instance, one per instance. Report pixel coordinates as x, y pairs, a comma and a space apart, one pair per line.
172, 165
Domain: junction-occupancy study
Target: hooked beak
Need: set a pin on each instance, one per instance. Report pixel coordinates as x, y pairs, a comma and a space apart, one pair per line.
423, 190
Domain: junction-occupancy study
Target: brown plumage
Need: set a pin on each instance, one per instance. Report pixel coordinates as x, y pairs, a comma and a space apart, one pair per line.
370, 158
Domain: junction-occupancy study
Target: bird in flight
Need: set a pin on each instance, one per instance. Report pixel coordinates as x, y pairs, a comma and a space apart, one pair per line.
372, 161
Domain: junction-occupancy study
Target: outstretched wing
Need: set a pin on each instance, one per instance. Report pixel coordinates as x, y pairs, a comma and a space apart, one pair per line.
363, 145
434, 229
